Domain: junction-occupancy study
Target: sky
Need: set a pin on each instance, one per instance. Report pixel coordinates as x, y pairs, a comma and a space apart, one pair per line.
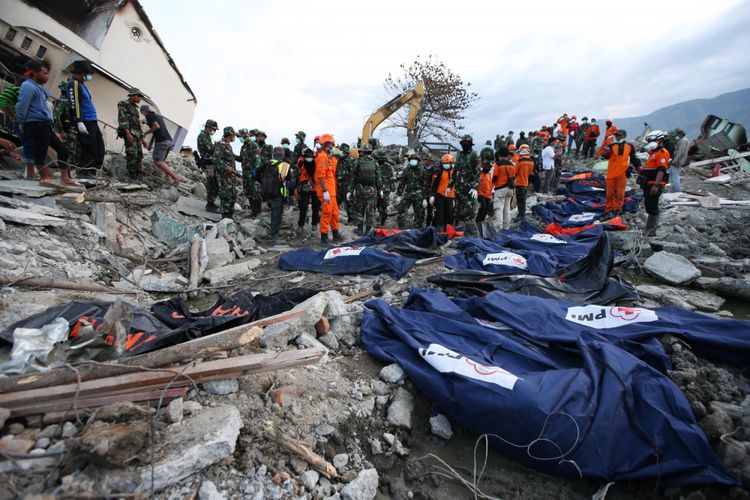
291, 65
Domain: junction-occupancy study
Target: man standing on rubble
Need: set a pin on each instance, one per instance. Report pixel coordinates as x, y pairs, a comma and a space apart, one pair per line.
84, 113
466, 177
654, 177
589, 144
162, 142
620, 161
129, 128
609, 137
273, 188
410, 191
679, 161
325, 185
503, 180
385, 175
206, 152
249, 161
35, 123
524, 169
443, 193
343, 175
364, 187
62, 118
581, 135
224, 161
306, 190
548, 164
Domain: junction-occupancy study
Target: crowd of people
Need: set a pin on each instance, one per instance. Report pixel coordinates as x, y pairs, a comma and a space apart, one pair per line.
456, 190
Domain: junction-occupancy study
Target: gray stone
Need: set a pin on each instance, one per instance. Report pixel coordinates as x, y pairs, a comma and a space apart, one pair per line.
278, 335
231, 272
440, 426
221, 387
389, 438
325, 430
199, 190
58, 447
671, 268
339, 461
16, 428
400, 410
190, 446
329, 340
190, 407
375, 447
175, 410
392, 373
364, 486
42, 443
716, 424
69, 430
219, 253
732, 452
4, 415
378, 387
208, 491
699, 409
680, 297
310, 479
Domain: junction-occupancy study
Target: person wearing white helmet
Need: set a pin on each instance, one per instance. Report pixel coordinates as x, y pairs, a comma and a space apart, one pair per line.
653, 177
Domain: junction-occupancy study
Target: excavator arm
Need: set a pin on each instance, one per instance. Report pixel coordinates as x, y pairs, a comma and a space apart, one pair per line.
414, 97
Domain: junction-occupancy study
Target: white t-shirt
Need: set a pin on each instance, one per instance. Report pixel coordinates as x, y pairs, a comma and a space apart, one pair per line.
548, 158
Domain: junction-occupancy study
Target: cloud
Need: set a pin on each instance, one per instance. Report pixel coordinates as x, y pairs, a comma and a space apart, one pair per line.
290, 65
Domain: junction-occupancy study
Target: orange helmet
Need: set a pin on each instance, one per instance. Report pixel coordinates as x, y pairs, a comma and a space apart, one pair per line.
511, 147
324, 138
446, 158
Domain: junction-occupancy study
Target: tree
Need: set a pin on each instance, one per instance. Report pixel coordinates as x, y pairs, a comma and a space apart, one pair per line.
447, 98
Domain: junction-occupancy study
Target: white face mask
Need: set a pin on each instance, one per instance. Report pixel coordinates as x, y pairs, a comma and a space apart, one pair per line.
252, 138
413, 163
88, 78
299, 141
651, 146
447, 166
285, 146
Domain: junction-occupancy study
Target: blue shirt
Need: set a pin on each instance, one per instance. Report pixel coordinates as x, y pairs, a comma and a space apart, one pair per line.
32, 103
80, 101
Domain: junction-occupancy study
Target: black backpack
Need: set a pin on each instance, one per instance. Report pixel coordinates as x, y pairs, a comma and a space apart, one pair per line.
270, 185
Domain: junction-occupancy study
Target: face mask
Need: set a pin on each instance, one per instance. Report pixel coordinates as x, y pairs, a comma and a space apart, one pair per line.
413, 163
447, 166
88, 78
308, 160
252, 138
211, 132
298, 140
285, 146
242, 139
651, 146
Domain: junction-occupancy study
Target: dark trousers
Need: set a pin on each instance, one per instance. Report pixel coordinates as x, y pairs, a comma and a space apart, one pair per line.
305, 198
521, 200
443, 212
536, 181
588, 148
485, 207
92, 149
651, 201
42, 137
277, 212
549, 177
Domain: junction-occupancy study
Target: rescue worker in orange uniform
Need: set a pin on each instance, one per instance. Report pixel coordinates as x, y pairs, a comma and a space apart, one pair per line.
653, 177
563, 122
589, 143
306, 190
325, 187
609, 137
524, 169
503, 180
621, 159
443, 193
484, 193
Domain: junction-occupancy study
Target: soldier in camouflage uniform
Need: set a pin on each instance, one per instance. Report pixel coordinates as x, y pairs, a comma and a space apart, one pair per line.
410, 189
343, 176
206, 152
224, 162
363, 191
385, 179
487, 152
129, 128
467, 179
250, 162
62, 124
426, 188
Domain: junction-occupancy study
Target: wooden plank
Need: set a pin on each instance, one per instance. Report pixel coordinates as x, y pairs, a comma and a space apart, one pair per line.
35, 281
71, 404
223, 368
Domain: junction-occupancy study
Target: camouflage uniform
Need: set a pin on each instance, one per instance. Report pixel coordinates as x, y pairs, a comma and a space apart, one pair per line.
206, 151
250, 185
61, 116
343, 176
129, 120
364, 187
487, 152
385, 181
467, 178
223, 160
410, 189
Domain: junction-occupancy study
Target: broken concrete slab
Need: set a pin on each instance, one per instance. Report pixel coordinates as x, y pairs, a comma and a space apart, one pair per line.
219, 253
168, 282
189, 205
30, 189
279, 334
694, 299
399, 413
363, 487
190, 446
235, 271
44, 206
29, 218
671, 268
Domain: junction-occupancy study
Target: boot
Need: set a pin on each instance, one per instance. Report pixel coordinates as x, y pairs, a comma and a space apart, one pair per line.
30, 172
336, 236
359, 230
211, 207
324, 239
367, 230
651, 223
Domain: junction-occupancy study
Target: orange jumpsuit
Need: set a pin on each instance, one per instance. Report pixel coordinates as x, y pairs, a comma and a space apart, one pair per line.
623, 154
609, 138
325, 170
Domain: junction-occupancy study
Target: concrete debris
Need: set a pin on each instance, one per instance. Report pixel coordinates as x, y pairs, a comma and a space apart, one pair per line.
310, 479
69, 430
21, 216
440, 426
190, 205
685, 298
221, 387
400, 410
392, 373
219, 253
232, 272
208, 491
364, 487
671, 268
175, 410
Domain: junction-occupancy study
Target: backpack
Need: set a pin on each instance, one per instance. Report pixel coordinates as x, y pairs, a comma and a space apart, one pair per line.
270, 184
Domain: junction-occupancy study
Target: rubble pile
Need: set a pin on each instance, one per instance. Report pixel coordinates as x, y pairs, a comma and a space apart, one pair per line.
288, 403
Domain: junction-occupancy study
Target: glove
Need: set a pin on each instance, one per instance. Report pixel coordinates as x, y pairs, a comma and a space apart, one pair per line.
82, 129
348, 196
381, 194
432, 200
326, 196
424, 203
473, 193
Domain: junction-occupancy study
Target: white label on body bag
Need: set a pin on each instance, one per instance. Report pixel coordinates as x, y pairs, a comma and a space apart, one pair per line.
445, 360
609, 317
548, 238
342, 252
505, 259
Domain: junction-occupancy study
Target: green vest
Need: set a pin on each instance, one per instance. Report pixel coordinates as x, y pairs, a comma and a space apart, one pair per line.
367, 172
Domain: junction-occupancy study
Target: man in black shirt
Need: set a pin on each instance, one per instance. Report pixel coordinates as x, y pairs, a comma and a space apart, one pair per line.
163, 142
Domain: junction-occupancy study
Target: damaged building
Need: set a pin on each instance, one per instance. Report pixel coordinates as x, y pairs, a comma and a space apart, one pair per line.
120, 42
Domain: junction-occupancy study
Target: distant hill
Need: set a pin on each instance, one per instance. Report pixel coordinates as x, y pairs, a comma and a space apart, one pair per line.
688, 115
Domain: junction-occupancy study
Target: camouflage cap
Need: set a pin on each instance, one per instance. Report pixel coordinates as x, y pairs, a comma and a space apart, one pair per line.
284, 140
301, 135
228, 130
345, 148
211, 123
253, 131
134, 91
260, 132
488, 142
467, 138
63, 85
380, 154
243, 131
366, 149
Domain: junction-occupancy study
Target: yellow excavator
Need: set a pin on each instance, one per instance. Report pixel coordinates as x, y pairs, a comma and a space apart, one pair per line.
413, 97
